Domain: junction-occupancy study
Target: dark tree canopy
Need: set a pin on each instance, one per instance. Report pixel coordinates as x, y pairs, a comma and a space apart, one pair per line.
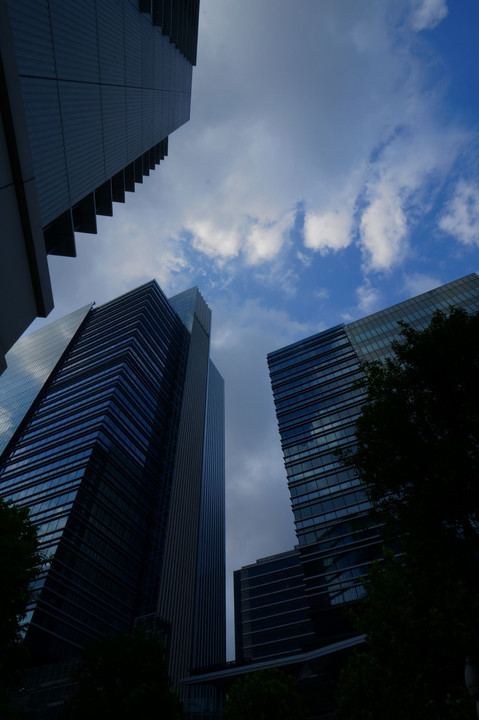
19, 563
412, 664
418, 436
123, 677
418, 454
264, 695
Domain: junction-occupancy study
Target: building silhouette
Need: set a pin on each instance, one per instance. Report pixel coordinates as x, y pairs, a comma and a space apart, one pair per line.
271, 610
116, 445
89, 93
317, 401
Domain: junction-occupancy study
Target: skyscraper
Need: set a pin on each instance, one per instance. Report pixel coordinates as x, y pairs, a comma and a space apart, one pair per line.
90, 92
317, 402
120, 458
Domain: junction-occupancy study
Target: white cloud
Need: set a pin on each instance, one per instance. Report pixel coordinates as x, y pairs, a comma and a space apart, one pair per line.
214, 241
285, 280
353, 80
426, 14
250, 240
321, 293
328, 231
383, 230
368, 297
417, 283
265, 240
306, 259
400, 187
461, 218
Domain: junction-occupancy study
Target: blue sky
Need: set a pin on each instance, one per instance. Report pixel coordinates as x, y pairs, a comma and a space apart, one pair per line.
329, 170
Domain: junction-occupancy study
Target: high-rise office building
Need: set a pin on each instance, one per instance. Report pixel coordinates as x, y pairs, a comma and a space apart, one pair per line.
117, 447
89, 93
271, 610
317, 402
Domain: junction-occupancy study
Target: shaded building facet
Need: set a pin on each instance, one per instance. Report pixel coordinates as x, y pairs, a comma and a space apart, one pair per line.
89, 94
271, 610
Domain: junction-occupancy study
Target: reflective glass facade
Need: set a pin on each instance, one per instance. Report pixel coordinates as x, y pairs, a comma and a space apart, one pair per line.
317, 404
30, 362
124, 476
271, 610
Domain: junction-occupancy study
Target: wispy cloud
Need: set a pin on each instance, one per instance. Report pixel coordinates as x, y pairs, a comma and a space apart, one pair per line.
426, 14
383, 229
403, 181
369, 298
214, 241
461, 217
417, 283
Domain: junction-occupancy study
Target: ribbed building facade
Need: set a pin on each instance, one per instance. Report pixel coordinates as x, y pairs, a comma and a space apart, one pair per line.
271, 610
120, 458
91, 91
103, 82
317, 402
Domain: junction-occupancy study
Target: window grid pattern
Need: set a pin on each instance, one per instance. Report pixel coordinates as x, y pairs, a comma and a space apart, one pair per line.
103, 86
93, 460
271, 610
317, 402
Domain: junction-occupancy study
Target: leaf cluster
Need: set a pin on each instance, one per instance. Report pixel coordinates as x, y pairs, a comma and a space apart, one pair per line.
123, 677
20, 560
264, 695
418, 636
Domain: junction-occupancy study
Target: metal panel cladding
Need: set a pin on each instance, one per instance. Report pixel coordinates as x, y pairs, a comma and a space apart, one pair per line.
102, 85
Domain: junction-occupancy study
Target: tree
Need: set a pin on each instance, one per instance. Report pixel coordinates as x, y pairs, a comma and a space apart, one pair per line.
19, 563
412, 664
123, 677
418, 454
264, 695
418, 440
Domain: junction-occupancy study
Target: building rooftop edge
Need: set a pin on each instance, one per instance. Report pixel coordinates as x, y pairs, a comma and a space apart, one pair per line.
289, 347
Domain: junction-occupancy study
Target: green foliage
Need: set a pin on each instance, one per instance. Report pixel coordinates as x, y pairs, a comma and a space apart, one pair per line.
418, 437
19, 562
121, 678
412, 665
264, 695
418, 454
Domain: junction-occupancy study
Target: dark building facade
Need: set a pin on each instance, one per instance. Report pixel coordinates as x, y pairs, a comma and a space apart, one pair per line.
317, 402
271, 610
120, 458
90, 92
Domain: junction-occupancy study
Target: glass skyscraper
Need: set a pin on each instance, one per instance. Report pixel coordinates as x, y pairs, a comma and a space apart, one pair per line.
118, 452
317, 402
91, 91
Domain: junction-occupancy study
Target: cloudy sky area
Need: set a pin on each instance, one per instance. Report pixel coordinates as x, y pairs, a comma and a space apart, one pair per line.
329, 170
